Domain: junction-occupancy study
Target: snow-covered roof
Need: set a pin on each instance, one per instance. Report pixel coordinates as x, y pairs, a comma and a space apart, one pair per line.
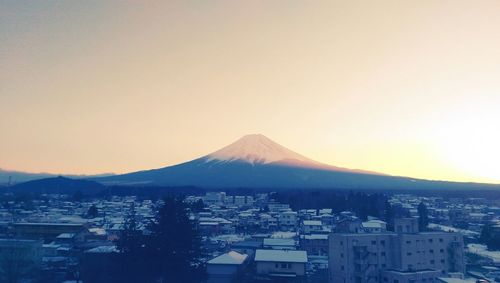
278, 242
281, 256
456, 280
231, 257
97, 231
312, 222
373, 224
283, 235
325, 211
66, 236
103, 249
316, 237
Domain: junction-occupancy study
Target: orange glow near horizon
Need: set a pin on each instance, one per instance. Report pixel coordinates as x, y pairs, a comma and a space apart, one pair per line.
403, 88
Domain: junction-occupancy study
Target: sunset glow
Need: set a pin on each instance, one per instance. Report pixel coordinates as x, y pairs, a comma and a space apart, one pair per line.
386, 86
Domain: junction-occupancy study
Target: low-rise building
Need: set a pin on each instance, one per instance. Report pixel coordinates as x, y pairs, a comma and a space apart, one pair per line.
225, 267
281, 263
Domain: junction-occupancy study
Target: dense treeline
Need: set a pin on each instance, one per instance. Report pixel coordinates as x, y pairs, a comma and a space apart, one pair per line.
363, 204
490, 237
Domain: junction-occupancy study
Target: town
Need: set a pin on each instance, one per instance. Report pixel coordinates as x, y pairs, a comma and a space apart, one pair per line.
260, 237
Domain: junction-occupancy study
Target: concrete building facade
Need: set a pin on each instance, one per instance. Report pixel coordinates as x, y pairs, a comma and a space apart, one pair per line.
391, 257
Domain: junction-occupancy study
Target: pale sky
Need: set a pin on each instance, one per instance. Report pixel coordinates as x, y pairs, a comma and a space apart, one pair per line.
407, 88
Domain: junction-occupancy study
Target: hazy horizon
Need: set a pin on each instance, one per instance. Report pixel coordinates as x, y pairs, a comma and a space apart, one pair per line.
402, 88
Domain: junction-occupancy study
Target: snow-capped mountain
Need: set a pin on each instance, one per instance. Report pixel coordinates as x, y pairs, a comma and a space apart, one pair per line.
257, 149
255, 161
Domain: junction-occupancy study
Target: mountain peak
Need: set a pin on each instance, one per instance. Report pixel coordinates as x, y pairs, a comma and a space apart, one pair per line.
256, 149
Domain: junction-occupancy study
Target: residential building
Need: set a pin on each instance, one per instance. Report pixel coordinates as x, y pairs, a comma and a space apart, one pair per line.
365, 257
281, 263
225, 267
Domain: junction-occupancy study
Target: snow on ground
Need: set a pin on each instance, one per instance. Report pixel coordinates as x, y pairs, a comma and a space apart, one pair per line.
482, 251
464, 232
231, 238
283, 235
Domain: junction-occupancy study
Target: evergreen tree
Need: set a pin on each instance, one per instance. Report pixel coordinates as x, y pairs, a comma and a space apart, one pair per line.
389, 216
423, 217
174, 246
197, 206
131, 263
93, 212
489, 238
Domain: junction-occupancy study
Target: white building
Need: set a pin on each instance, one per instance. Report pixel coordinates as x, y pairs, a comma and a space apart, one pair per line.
374, 226
311, 226
280, 263
223, 268
400, 257
288, 219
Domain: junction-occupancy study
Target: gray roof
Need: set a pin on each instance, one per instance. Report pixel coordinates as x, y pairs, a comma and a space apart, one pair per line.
281, 256
231, 257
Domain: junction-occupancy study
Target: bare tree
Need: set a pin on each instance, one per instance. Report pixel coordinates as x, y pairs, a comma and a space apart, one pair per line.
17, 261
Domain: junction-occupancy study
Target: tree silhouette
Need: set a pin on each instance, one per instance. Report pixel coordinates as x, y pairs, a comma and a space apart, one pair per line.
423, 217
17, 263
93, 212
174, 246
131, 264
490, 238
389, 216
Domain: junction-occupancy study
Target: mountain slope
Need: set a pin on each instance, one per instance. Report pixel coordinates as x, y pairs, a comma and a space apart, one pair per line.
13, 177
9, 177
254, 161
58, 185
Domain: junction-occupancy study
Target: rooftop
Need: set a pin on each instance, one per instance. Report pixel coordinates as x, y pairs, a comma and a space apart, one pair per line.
281, 256
231, 257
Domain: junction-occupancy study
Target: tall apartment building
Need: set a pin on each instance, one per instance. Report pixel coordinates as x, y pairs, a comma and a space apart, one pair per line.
405, 256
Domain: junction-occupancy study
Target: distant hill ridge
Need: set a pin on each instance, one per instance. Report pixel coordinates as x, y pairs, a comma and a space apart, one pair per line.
255, 161
58, 185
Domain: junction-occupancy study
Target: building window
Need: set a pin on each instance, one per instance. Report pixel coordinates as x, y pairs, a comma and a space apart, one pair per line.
342, 255
341, 243
342, 267
430, 240
374, 242
383, 265
442, 261
408, 242
431, 251
408, 254
440, 240
382, 253
432, 261
286, 265
382, 242
441, 250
